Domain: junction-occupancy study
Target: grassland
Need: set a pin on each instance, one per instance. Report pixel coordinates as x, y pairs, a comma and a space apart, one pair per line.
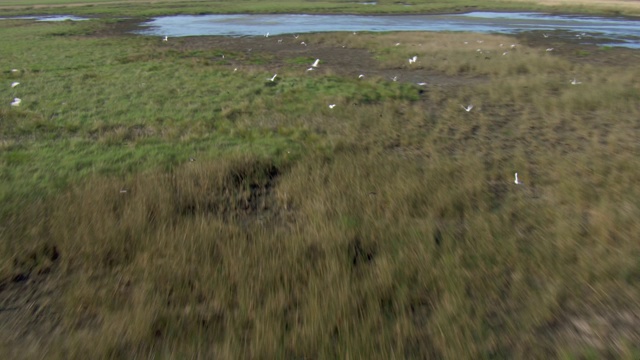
141, 8
156, 202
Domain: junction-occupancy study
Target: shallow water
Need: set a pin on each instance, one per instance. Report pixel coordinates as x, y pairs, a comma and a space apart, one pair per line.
621, 31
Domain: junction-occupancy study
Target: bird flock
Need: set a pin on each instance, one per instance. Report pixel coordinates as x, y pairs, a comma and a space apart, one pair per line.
316, 63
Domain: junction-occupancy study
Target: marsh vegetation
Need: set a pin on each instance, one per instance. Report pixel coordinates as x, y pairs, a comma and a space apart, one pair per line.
157, 202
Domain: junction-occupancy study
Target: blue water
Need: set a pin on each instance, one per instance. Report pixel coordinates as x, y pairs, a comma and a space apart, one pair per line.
621, 31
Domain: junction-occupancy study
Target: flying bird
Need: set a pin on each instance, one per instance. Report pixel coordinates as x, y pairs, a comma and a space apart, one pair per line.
468, 108
549, 49
545, 35
331, 106
315, 63
16, 102
360, 76
273, 78
516, 180
413, 59
166, 38
14, 84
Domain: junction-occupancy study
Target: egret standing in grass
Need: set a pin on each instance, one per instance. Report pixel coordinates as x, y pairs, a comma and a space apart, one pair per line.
516, 181
166, 38
16, 102
14, 84
575, 82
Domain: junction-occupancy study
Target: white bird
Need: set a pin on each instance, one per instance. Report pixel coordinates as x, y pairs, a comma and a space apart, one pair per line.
273, 78
468, 108
166, 38
303, 43
397, 44
516, 180
331, 106
279, 41
549, 49
360, 76
310, 69
266, 35
16, 102
413, 59
295, 36
505, 53
395, 78
545, 35
235, 69
315, 63
14, 70
575, 82
123, 191
422, 83
14, 84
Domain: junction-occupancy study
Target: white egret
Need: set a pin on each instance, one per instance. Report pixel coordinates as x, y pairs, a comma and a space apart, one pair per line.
468, 108
575, 82
266, 35
422, 83
315, 63
331, 106
273, 78
14, 70
549, 49
16, 102
310, 69
397, 44
14, 84
516, 180
395, 78
303, 43
545, 35
166, 38
360, 76
413, 59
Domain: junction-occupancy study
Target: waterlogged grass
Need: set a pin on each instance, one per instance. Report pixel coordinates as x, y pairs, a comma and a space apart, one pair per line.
157, 203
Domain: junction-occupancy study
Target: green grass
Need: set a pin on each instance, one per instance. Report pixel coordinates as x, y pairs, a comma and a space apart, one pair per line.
388, 227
